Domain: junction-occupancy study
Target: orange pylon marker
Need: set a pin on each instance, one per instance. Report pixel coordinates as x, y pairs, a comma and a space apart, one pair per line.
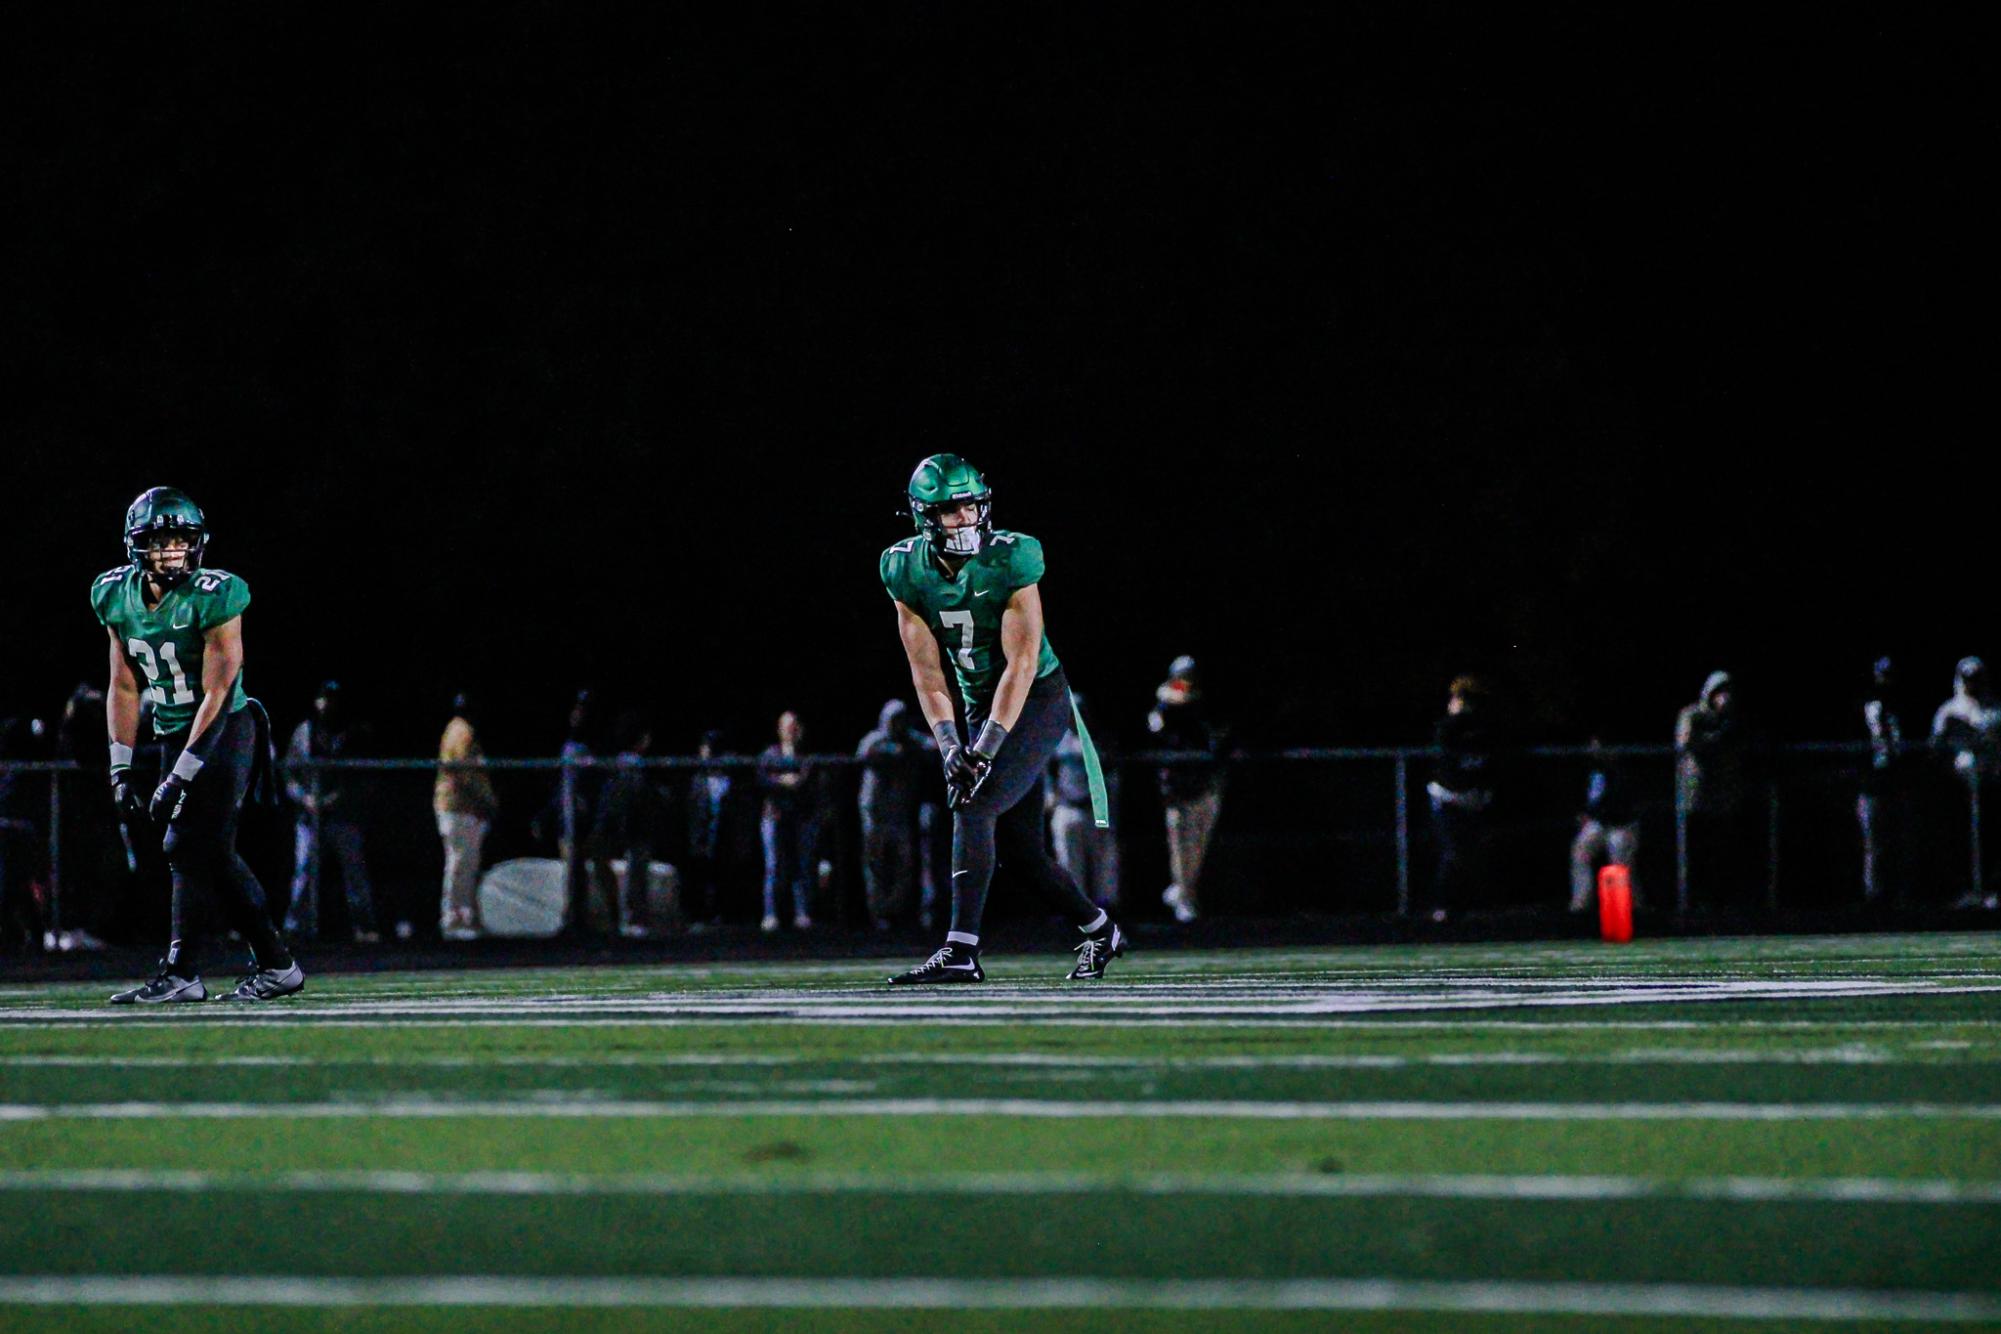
1615, 904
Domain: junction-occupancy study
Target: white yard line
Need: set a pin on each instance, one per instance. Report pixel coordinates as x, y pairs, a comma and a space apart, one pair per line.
276, 1016
1836, 1056
1782, 1190
1367, 1294
1110, 1004
1220, 1109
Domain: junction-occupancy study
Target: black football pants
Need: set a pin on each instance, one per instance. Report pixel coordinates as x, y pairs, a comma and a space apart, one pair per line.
209, 875
1002, 825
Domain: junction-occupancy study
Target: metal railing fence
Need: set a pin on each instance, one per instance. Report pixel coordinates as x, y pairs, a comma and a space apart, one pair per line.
1345, 826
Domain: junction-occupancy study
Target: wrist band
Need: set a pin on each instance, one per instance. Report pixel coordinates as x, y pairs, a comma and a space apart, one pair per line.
121, 755
992, 734
946, 734
186, 767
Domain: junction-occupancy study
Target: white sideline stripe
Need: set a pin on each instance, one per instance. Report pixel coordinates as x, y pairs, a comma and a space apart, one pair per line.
1841, 1056
1368, 1294
1113, 1003
1223, 1109
1387, 1023
1782, 1190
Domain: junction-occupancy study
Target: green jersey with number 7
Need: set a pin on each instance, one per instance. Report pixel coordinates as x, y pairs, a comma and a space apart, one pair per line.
164, 643
965, 612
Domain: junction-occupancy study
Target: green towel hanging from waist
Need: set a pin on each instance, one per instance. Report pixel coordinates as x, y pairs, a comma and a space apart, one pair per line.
1094, 770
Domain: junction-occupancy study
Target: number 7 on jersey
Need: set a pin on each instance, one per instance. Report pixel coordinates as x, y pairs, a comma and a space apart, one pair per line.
962, 621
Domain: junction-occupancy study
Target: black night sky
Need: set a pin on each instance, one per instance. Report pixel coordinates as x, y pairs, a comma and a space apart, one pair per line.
1588, 351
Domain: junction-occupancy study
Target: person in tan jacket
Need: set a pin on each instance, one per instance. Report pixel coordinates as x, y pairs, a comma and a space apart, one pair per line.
465, 804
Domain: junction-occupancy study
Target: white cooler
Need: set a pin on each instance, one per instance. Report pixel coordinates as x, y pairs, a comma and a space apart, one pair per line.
523, 898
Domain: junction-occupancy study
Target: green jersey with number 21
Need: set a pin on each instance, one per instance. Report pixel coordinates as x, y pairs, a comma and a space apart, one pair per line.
164, 643
965, 613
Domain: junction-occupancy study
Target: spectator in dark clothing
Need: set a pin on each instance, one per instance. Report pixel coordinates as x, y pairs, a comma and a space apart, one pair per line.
894, 767
566, 819
22, 849
1462, 795
710, 801
1882, 797
1190, 791
93, 855
1967, 727
631, 822
327, 734
789, 823
1608, 829
1718, 778
934, 840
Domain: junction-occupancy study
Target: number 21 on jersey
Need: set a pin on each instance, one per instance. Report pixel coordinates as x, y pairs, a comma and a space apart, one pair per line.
143, 652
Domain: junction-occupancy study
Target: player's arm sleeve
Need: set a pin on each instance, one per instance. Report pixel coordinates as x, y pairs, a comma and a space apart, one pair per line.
102, 591
890, 570
226, 604
1024, 563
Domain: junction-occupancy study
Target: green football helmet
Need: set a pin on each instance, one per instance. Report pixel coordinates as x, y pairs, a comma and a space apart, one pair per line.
946, 481
158, 513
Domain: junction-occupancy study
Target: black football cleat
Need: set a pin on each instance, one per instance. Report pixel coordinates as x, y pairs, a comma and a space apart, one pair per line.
1098, 950
954, 963
268, 984
166, 988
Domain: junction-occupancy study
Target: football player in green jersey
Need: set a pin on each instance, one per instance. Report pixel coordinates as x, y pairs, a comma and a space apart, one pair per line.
180, 624
967, 591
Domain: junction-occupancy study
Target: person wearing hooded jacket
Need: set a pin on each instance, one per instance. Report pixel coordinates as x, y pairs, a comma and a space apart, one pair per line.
895, 761
1968, 728
327, 819
1715, 773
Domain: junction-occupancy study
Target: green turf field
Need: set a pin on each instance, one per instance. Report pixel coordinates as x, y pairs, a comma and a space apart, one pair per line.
1777, 1133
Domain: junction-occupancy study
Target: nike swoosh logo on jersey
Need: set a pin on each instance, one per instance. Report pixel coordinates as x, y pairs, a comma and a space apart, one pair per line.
187, 624
982, 592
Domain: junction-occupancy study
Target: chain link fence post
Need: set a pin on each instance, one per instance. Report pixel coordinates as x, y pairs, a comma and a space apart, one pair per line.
1403, 836
55, 851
